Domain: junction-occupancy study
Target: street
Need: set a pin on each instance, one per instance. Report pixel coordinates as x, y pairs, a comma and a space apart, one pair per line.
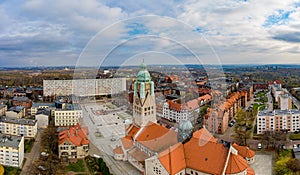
33, 155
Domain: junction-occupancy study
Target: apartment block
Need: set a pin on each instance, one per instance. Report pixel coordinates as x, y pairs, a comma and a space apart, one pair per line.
18, 127
285, 102
16, 112
11, 150
36, 106
84, 87
177, 112
3, 109
278, 120
67, 117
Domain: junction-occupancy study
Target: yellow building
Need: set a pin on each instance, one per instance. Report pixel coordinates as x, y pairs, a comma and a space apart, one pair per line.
18, 127
67, 117
11, 150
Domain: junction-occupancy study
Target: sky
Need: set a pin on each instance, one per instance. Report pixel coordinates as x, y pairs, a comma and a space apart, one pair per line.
112, 32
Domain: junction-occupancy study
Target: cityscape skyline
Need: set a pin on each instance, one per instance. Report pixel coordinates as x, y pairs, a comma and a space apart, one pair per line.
40, 33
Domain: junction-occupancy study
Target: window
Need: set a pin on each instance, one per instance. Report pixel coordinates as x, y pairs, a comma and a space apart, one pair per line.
156, 170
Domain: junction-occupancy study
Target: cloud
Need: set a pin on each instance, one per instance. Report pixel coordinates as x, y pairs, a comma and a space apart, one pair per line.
34, 32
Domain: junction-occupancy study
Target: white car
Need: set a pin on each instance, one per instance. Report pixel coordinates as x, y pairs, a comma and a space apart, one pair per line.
295, 146
259, 146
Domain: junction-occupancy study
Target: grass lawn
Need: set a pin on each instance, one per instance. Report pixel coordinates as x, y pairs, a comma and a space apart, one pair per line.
28, 145
76, 167
258, 106
11, 170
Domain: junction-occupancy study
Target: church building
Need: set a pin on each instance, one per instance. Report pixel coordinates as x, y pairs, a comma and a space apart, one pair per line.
156, 150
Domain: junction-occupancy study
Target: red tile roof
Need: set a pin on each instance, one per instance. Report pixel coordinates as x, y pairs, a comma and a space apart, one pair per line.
236, 164
190, 105
209, 158
157, 138
75, 135
244, 151
118, 150
173, 159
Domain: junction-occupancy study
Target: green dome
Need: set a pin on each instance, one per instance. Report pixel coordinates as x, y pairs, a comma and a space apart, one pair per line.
143, 75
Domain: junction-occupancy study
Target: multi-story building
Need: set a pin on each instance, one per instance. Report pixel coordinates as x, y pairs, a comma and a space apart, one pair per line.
177, 112
18, 127
43, 116
73, 143
16, 112
67, 117
84, 87
276, 88
22, 101
217, 118
3, 109
285, 102
36, 106
11, 150
278, 120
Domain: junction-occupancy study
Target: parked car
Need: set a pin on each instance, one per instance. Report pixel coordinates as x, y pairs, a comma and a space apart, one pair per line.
295, 146
259, 146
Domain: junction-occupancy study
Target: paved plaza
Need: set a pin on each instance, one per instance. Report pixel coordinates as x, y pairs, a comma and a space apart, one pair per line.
104, 123
263, 163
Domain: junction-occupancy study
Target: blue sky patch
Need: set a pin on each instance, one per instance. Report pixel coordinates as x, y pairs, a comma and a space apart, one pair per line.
137, 29
278, 19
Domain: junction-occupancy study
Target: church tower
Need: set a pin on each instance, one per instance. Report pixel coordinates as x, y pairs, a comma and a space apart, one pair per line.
144, 108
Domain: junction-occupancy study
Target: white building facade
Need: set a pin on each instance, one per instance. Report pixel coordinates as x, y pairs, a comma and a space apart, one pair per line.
84, 87
11, 150
66, 117
18, 127
278, 120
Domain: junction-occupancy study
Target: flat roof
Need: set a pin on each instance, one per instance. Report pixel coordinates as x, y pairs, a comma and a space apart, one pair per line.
43, 104
21, 121
10, 141
278, 112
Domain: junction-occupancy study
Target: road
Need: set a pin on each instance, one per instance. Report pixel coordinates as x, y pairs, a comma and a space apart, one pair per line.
33, 155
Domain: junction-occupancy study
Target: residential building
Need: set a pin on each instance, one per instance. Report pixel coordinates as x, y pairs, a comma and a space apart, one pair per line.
84, 87
67, 117
276, 89
18, 127
11, 150
217, 118
278, 120
36, 106
22, 101
16, 112
42, 116
177, 112
3, 109
73, 143
285, 102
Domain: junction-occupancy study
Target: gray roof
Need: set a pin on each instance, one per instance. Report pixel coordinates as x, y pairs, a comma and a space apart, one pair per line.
16, 108
21, 121
10, 141
21, 99
278, 112
43, 104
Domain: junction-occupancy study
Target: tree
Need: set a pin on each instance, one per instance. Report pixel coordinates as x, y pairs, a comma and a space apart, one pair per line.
293, 164
49, 139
